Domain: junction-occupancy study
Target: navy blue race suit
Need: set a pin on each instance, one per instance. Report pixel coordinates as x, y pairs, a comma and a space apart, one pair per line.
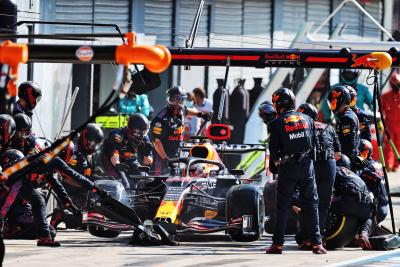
83, 165
347, 129
118, 145
352, 197
291, 141
169, 129
327, 144
373, 178
364, 124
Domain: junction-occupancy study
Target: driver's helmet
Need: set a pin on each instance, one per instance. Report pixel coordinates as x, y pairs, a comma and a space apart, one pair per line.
176, 97
91, 138
23, 126
309, 110
7, 128
283, 98
138, 127
349, 76
31, 93
338, 96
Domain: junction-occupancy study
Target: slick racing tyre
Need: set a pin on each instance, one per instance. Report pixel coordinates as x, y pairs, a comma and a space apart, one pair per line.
245, 213
340, 230
270, 209
102, 232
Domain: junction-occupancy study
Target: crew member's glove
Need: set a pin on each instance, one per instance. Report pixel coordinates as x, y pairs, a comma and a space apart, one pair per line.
122, 167
362, 241
69, 205
100, 192
358, 162
147, 148
205, 116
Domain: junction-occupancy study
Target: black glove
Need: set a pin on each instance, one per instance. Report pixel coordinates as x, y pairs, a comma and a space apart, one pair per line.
359, 163
205, 116
122, 167
100, 192
69, 205
147, 148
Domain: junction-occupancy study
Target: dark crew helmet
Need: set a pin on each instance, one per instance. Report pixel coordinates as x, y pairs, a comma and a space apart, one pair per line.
283, 98
138, 127
91, 138
31, 93
266, 112
309, 110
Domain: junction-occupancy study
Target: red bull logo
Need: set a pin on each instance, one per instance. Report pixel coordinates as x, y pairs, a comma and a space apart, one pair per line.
293, 57
375, 60
293, 119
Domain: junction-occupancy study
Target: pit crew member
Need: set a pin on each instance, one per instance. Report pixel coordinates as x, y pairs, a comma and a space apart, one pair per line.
167, 128
291, 141
123, 147
327, 150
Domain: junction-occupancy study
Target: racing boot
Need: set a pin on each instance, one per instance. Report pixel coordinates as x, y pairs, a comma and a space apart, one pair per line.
306, 245
319, 249
47, 242
56, 218
274, 249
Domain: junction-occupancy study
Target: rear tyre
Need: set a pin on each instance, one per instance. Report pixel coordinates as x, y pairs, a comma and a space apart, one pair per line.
270, 210
102, 232
340, 230
245, 201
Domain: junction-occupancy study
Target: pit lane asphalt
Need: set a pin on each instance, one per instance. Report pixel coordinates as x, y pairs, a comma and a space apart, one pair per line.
79, 248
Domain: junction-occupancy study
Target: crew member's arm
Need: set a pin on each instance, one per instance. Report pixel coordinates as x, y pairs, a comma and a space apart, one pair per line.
158, 146
336, 143
147, 151
158, 132
199, 114
274, 146
67, 172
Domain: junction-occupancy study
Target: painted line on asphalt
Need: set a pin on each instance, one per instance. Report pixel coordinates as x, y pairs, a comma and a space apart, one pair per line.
367, 259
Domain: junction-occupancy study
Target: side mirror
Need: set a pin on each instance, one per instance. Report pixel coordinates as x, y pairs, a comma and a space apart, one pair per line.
219, 132
236, 172
145, 169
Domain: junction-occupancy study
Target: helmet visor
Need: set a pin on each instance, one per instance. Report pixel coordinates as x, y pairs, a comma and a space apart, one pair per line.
136, 134
22, 134
177, 100
93, 145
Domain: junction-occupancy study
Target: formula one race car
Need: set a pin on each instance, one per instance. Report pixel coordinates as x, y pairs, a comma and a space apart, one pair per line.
199, 196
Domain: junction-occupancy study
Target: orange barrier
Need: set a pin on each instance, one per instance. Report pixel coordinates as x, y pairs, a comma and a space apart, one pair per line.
12, 54
154, 58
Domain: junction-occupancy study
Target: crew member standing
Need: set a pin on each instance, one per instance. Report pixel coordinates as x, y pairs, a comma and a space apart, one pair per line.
327, 150
347, 127
291, 142
167, 128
